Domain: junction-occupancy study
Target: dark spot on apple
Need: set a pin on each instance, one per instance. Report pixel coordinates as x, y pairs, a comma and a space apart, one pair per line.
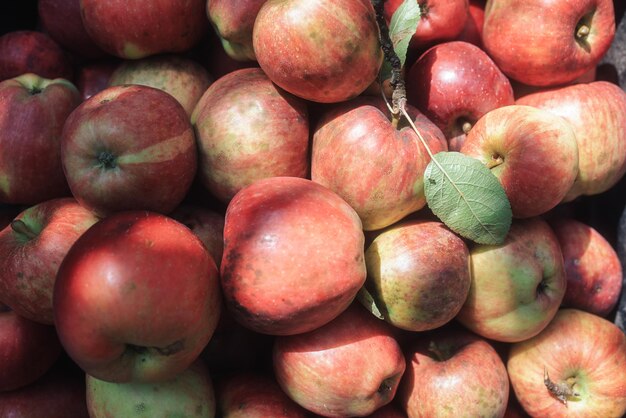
106, 160
140, 407
199, 410
597, 287
103, 101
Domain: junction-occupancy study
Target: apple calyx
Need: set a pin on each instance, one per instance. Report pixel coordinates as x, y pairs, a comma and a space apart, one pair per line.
560, 390
107, 160
20, 227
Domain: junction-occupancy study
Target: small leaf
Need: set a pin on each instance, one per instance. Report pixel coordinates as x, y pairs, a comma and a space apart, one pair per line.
401, 28
467, 197
367, 300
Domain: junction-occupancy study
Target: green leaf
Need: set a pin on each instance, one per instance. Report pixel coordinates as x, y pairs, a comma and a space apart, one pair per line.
465, 195
367, 300
401, 28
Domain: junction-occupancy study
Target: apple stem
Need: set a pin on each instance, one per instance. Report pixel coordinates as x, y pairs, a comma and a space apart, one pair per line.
398, 97
466, 127
20, 227
582, 31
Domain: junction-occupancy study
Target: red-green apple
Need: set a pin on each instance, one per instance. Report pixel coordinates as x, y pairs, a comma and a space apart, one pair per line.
418, 274
518, 286
452, 372
440, 20
30, 51
182, 77
473, 30
62, 21
32, 248
454, 84
592, 266
248, 129
34, 110
136, 298
546, 42
188, 394
129, 147
145, 27
350, 366
576, 367
324, 51
233, 22
28, 350
293, 256
249, 394
207, 224
597, 111
372, 162
532, 152
59, 393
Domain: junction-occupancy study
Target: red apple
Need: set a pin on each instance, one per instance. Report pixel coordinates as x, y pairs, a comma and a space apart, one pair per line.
456, 372
93, 77
440, 21
59, 393
518, 286
34, 111
350, 366
592, 266
532, 152
129, 147
247, 394
248, 129
136, 298
454, 84
32, 248
418, 287
324, 51
583, 355
375, 165
473, 30
62, 21
182, 77
190, 393
546, 42
207, 224
293, 256
29, 51
147, 27
597, 111
28, 350
233, 22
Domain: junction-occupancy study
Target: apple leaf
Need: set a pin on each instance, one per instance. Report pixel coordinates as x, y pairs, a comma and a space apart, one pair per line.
465, 195
367, 300
401, 28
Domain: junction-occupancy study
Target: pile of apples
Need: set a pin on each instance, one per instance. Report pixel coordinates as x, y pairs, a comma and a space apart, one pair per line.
209, 209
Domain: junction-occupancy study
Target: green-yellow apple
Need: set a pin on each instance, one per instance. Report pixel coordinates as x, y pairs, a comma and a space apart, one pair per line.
576, 367
418, 274
233, 22
518, 286
189, 394
532, 152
